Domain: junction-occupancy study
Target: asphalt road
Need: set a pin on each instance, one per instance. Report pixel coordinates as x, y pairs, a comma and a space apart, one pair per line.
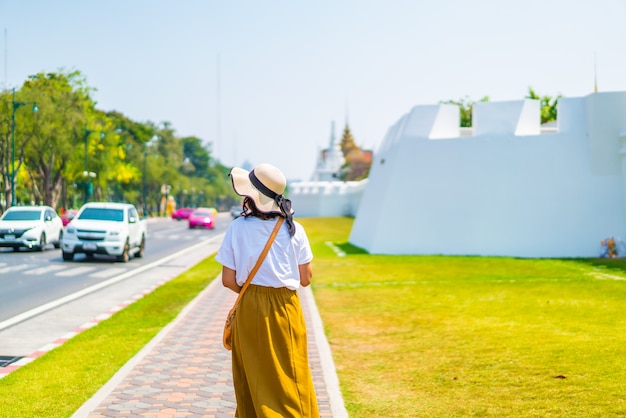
43, 297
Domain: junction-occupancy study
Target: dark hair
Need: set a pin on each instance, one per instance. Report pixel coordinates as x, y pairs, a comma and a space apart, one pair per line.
250, 209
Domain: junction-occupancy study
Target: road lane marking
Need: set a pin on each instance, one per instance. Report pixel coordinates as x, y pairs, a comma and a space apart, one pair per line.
75, 271
43, 270
58, 302
13, 268
108, 272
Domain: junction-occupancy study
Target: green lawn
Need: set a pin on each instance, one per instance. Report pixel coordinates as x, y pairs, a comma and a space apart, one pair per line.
411, 336
472, 336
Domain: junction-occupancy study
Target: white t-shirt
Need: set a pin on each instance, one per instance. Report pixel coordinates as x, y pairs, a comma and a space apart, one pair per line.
244, 241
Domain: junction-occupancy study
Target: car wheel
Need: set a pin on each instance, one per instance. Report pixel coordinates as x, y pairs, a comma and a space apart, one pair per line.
142, 247
57, 244
42, 243
68, 256
125, 257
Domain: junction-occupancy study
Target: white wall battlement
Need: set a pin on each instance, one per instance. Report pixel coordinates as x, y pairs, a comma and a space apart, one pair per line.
505, 190
517, 117
326, 198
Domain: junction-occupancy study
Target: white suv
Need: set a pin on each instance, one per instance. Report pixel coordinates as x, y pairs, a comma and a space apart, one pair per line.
105, 228
30, 227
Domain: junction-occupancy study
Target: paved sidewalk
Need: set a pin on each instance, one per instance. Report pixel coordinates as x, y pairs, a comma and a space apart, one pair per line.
186, 372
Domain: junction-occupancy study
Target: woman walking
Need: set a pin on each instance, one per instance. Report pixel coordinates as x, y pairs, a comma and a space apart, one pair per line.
271, 373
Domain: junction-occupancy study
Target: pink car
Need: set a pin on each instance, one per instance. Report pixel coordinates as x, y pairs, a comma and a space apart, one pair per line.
203, 218
68, 215
182, 213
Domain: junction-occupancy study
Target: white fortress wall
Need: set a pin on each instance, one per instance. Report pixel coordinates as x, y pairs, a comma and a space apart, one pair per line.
506, 190
393, 135
326, 198
604, 127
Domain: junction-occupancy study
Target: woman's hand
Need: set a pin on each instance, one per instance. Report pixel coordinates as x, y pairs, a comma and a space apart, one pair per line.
306, 272
229, 279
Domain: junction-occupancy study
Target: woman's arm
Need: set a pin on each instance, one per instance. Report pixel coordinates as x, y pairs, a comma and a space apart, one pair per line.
229, 279
306, 272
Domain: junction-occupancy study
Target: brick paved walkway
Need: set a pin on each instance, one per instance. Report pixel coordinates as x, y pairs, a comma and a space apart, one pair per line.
185, 371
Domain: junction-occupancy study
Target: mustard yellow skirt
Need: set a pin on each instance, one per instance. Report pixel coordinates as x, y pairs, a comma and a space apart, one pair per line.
271, 371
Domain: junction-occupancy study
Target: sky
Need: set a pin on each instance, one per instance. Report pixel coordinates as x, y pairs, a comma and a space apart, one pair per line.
262, 81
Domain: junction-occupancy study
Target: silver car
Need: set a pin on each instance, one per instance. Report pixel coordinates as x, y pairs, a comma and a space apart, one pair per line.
30, 227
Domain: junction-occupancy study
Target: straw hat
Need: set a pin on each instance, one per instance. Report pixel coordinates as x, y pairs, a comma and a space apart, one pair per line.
263, 184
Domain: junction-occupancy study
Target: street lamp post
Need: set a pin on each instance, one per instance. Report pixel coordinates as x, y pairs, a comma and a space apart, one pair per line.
15, 106
87, 174
143, 177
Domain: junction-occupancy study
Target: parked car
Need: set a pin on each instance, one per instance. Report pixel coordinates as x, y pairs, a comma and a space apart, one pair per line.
105, 228
68, 215
203, 218
236, 211
182, 213
30, 227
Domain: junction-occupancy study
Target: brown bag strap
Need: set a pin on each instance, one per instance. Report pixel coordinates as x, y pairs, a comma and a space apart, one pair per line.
260, 260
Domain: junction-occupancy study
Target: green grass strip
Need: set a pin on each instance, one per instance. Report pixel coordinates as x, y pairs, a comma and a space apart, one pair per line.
59, 382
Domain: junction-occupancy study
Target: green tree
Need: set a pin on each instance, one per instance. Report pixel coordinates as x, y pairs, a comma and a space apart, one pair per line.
21, 107
133, 150
5, 147
69, 136
465, 106
196, 158
219, 187
548, 105
50, 141
109, 157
